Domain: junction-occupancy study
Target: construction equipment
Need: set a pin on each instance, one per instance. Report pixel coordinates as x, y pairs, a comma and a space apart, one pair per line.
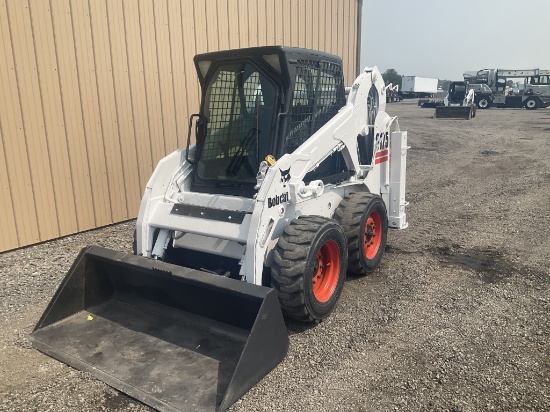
534, 91
458, 104
483, 95
392, 93
288, 187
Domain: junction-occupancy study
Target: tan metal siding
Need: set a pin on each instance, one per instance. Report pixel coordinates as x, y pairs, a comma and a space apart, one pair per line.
96, 92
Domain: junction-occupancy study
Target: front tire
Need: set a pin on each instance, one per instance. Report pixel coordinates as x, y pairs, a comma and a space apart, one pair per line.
364, 218
531, 104
309, 267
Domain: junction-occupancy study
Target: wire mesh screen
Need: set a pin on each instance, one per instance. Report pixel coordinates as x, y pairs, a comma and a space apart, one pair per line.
229, 119
318, 95
239, 108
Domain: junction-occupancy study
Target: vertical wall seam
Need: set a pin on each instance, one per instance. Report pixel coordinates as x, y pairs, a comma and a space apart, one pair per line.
228, 29
262, 42
359, 29
22, 119
18, 239
145, 86
116, 109
238, 24
172, 73
195, 25
159, 83
249, 31
184, 62
101, 116
218, 24
82, 114
206, 28
140, 177
41, 95
76, 211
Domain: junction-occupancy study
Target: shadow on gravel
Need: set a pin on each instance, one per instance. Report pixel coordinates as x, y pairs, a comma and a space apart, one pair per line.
489, 263
294, 327
115, 400
489, 153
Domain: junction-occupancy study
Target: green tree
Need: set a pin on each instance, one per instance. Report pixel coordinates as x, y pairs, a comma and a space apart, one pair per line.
444, 84
391, 76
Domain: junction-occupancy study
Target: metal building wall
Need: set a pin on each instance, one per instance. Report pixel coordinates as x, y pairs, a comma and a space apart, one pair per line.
95, 92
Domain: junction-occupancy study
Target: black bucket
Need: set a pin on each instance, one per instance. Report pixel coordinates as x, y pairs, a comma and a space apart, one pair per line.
174, 338
454, 112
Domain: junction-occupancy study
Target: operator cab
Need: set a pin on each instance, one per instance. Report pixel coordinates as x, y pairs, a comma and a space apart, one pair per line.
457, 92
257, 102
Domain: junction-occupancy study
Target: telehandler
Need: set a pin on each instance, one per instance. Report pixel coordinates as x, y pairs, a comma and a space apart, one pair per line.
289, 186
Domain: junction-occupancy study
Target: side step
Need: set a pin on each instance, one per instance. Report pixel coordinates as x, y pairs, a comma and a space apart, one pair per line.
174, 338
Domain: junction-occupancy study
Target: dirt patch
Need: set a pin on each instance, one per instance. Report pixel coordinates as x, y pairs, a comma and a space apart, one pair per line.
489, 263
489, 153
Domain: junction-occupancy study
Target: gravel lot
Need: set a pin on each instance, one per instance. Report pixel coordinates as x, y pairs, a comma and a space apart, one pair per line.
455, 319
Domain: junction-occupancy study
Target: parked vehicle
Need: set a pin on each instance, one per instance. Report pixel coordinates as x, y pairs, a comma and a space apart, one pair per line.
392, 93
418, 87
483, 95
534, 94
458, 104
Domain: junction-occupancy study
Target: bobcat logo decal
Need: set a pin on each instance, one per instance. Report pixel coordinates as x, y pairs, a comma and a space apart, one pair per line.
285, 175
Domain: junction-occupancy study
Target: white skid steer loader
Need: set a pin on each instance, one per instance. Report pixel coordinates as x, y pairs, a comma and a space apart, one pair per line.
289, 187
458, 104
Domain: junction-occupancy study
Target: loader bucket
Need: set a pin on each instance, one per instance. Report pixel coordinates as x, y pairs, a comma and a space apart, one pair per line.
454, 112
174, 338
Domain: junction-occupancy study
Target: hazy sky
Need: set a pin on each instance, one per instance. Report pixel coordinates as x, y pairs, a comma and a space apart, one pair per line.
445, 38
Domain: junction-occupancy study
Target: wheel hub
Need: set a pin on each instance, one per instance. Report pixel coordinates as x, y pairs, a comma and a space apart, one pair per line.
372, 238
326, 271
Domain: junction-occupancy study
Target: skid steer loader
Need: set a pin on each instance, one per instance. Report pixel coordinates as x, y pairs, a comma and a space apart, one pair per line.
288, 187
458, 104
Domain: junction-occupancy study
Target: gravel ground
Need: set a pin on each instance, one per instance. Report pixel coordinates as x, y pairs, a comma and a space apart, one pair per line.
456, 318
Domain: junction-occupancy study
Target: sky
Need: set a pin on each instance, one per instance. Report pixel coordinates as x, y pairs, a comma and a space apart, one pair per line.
445, 38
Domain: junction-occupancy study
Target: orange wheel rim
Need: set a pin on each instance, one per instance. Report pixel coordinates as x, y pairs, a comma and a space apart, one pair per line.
373, 235
326, 271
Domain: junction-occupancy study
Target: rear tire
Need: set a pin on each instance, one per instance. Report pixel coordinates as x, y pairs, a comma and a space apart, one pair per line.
309, 267
531, 104
484, 103
364, 218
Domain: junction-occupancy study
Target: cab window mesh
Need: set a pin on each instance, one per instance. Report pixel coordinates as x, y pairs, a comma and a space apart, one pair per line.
318, 95
227, 122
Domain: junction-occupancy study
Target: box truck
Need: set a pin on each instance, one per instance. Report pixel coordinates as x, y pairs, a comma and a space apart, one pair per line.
415, 87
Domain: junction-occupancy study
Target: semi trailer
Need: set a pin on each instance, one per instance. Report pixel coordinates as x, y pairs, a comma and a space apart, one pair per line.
418, 87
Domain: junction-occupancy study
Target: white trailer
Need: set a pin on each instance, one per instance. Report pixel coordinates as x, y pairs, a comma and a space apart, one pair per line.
415, 86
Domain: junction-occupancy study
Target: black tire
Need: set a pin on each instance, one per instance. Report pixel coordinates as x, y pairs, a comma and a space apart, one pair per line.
484, 102
310, 247
531, 104
353, 214
134, 243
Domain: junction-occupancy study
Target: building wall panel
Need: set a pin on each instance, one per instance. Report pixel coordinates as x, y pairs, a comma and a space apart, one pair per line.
123, 105
7, 220
14, 145
96, 92
32, 112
